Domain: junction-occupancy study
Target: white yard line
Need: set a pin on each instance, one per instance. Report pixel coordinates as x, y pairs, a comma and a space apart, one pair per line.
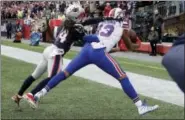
148, 86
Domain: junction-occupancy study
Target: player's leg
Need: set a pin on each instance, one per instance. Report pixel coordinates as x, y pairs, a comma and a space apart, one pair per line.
39, 86
77, 63
40, 69
54, 67
110, 66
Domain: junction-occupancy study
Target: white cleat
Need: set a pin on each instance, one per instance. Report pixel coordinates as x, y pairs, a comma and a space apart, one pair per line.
145, 108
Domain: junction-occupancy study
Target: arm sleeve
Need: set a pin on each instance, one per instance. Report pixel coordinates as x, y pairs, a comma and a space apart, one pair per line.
97, 20
92, 21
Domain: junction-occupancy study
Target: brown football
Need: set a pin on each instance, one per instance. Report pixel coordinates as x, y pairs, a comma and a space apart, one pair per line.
132, 35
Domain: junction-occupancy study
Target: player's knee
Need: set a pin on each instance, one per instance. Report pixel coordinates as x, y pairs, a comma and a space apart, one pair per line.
67, 74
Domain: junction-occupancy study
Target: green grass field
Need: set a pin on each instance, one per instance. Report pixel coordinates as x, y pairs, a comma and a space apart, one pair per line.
75, 98
135, 66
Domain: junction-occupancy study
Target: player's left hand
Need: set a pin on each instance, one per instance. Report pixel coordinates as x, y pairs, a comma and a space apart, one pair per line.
80, 28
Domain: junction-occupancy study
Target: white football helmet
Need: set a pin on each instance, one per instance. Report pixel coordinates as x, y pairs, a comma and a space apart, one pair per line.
116, 13
75, 12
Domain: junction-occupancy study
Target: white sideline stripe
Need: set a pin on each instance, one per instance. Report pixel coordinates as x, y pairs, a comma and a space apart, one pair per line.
148, 86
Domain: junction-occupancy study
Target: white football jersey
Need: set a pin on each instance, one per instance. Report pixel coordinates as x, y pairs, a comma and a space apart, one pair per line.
109, 33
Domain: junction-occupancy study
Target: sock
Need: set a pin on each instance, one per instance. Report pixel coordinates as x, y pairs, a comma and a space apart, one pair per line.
27, 82
130, 91
41, 85
40, 94
138, 103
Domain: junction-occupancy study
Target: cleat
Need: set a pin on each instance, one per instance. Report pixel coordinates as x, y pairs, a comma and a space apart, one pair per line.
31, 101
145, 108
16, 99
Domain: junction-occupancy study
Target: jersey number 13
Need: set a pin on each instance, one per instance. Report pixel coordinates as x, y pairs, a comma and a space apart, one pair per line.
106, 30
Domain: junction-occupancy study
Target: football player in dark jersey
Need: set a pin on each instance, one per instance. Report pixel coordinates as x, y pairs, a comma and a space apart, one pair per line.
67, 34
51, 61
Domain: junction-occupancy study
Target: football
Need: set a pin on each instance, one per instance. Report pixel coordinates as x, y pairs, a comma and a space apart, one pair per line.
132, 35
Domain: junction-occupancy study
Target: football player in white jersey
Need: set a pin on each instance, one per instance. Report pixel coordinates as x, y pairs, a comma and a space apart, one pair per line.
111, 32
95, 52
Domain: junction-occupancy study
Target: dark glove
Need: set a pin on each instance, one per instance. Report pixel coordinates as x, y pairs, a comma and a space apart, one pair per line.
80, 28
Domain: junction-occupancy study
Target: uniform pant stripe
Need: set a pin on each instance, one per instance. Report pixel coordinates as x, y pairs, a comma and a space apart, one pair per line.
59, 68
53, 66
115, 65
56, 65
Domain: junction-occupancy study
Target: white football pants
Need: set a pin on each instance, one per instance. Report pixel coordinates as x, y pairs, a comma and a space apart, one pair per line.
51, 62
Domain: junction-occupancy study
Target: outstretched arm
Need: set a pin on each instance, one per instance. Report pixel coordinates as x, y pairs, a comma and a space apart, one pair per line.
97, 20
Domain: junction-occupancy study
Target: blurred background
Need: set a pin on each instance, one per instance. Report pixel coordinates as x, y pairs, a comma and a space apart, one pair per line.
167, 17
